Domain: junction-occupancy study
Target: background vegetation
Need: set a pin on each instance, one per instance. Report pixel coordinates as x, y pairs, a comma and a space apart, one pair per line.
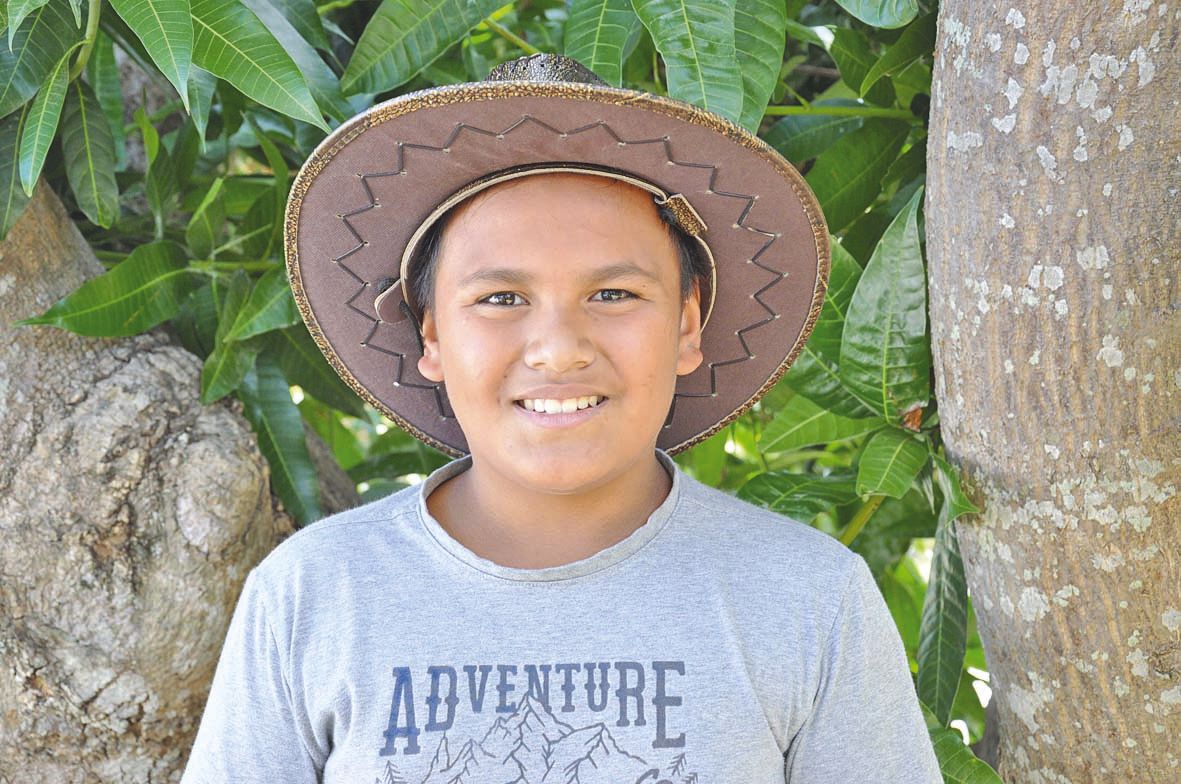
191, 233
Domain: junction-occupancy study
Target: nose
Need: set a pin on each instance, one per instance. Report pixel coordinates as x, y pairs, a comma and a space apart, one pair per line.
560, 340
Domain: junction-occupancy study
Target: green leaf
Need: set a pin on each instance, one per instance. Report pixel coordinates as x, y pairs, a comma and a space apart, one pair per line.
327, 424
953, 493
230, 361
597, 33
943, 638
207, 222
302, 15
917, 40
882, 13
277, 424
304, 364
957, 763
799, 496
196, 322
41, 123
103, 74
165, 28
404, 35
135, 295
17, 11
850, 50
232, 43
201, 87
696, 40
886, 539
759, 39
270, 306
160, 185
885, 352
815, 372
890, 462
34, 49
322, 82
847, 177
89, 151
12, 197
803, 423
802, 137
908, 165
817, 36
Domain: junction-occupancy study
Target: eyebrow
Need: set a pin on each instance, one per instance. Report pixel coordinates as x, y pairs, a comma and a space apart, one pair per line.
514, 277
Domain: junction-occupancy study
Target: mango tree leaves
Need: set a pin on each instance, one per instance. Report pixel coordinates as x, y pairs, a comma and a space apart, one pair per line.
957, 763
322, 82
802, 137
230, 360
17, 11
802, 423
41, 123
890, 462
165, 28
277, 423
135, 295
302, 15
847, 177
304, 364
12, 197
850, 49
269, 307
103, 74
917, 39
207, 222
815, 373
160, 182
953, 493
799, 496
696, 40
882, 13
36, 47
885, 350
597, 33
232, 43
759, 39
404, 35
89, 151
944, 636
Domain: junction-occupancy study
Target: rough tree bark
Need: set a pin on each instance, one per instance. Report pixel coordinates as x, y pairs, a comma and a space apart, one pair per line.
129, 516
1054, 235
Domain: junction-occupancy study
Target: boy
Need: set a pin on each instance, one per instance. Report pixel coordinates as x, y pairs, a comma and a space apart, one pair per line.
561, 604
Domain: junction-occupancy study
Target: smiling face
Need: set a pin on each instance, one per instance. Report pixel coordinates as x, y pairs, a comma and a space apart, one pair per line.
558, 328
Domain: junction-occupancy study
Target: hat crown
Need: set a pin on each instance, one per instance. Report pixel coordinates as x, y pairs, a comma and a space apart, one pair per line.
544, 67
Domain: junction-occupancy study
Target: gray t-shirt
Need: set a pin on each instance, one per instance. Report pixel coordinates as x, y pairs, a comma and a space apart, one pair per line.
718, 643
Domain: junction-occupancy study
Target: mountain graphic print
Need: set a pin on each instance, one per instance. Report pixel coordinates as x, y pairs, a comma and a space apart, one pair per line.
530, 744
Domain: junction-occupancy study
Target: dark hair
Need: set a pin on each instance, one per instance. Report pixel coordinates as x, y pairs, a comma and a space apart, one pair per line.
420, 271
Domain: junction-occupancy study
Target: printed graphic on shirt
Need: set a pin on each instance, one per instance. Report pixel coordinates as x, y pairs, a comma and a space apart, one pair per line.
574, 723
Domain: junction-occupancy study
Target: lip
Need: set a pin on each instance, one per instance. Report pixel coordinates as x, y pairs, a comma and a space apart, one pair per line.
558, 392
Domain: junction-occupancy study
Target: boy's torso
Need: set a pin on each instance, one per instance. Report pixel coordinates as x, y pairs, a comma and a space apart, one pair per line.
685, 653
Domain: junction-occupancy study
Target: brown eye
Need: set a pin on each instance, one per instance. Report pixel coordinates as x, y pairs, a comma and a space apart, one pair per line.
503, 298
612, 295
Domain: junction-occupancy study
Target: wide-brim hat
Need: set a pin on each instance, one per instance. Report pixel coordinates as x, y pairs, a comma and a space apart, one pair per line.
373, 186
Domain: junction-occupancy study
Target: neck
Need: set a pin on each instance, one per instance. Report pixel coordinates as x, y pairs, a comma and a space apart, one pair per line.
517, 527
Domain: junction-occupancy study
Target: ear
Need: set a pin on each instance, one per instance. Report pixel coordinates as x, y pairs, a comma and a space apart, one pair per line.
689, 356
429, 364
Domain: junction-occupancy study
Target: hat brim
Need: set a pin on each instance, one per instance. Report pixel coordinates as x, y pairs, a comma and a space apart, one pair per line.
370, 185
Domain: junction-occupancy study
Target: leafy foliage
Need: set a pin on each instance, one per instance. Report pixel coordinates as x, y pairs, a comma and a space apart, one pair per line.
848, 442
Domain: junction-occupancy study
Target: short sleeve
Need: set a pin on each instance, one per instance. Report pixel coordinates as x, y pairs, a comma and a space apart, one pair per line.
866, 723
249, 731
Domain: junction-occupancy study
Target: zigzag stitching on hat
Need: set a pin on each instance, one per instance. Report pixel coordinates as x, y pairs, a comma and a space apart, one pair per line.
398, 382
459, 128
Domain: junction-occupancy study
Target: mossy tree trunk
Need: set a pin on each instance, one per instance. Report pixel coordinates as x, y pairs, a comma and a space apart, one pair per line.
1053, 218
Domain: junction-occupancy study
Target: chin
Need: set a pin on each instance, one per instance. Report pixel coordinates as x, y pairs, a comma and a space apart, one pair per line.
569, 471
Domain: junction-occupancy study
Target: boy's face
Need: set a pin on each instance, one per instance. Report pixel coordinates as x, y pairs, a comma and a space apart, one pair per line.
559, 287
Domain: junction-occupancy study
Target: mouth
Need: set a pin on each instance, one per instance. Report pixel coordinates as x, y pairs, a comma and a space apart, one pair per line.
565, 406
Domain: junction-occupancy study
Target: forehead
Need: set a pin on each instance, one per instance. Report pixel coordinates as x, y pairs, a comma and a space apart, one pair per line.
580, 218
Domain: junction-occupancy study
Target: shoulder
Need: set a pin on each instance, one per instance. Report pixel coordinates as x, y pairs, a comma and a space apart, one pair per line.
333, 542
751, 539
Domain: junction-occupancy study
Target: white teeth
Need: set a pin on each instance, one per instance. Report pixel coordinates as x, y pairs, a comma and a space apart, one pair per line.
567, 406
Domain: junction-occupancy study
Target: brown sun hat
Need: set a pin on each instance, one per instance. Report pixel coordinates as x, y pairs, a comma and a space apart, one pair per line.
372, 188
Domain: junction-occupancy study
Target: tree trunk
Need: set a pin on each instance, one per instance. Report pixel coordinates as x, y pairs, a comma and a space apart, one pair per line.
1053, 236
129, 516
